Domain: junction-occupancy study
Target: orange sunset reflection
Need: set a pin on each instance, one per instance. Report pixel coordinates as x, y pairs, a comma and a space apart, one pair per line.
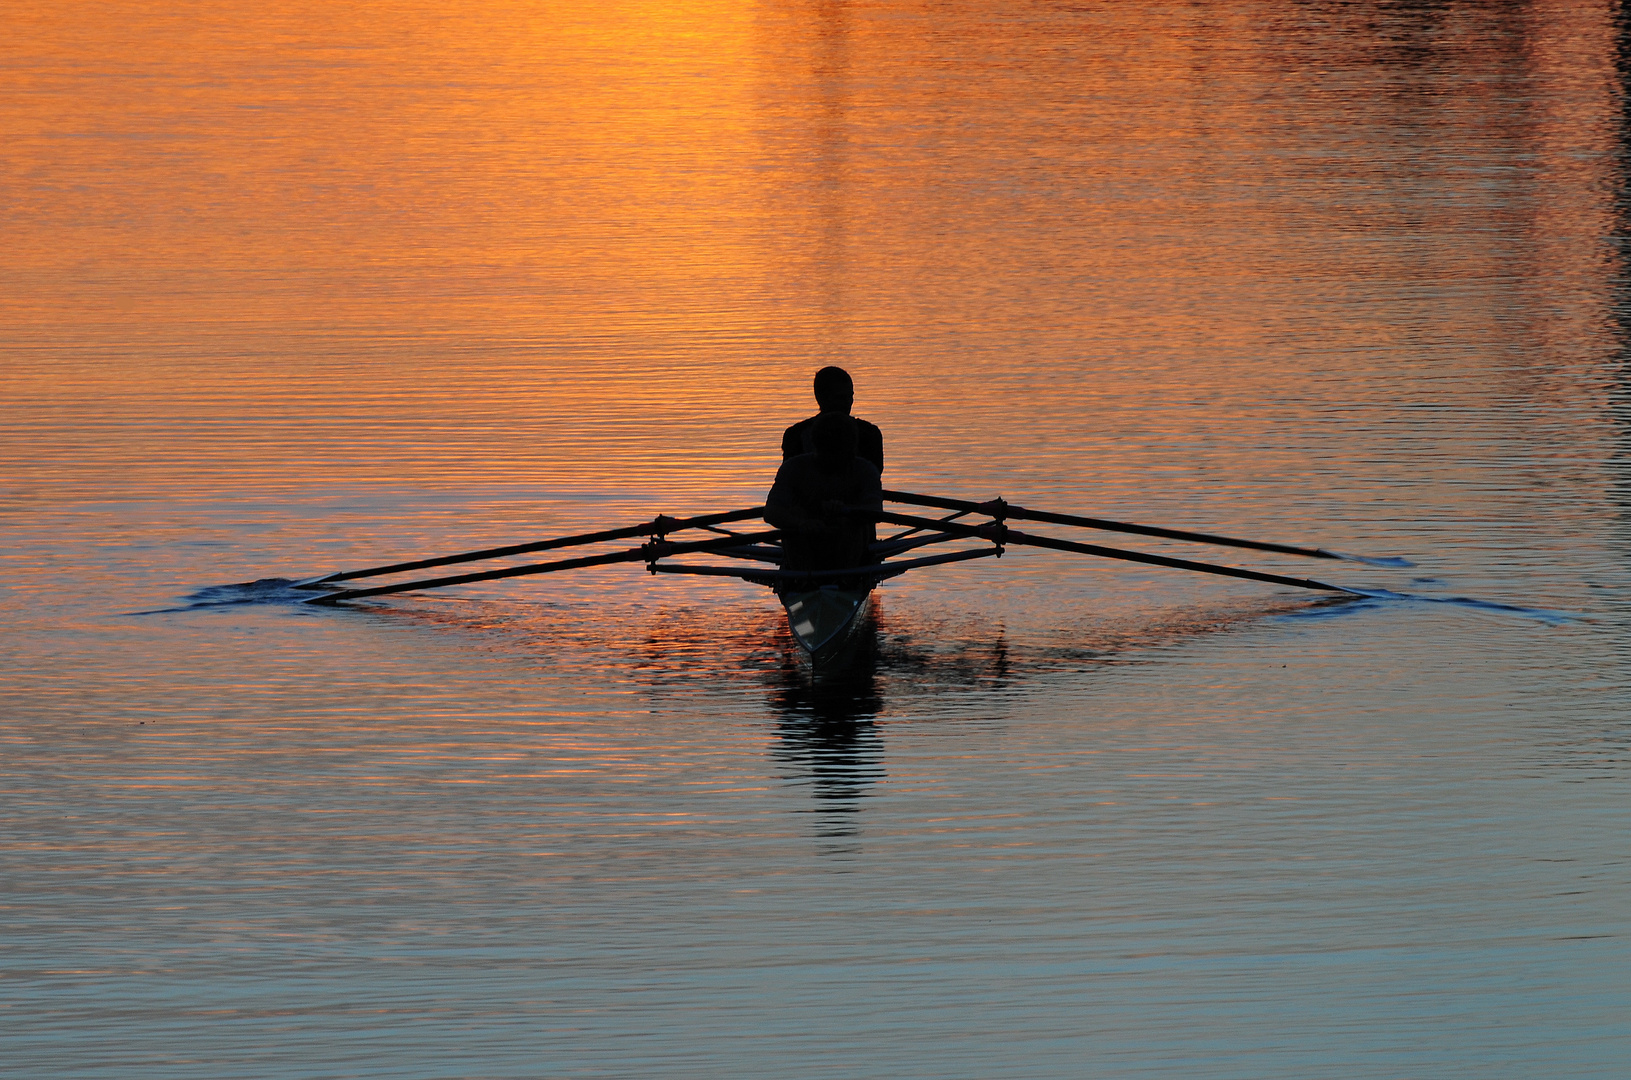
603, 247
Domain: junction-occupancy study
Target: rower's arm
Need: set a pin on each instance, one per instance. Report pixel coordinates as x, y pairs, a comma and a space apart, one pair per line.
793, 440
782, 508
871, 443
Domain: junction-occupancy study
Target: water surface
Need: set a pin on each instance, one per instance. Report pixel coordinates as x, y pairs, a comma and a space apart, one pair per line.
305, 288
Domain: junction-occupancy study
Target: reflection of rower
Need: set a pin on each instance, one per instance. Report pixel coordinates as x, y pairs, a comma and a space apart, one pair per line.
834, 393
811, 491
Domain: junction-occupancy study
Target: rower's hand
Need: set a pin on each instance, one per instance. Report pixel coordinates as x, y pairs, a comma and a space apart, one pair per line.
833, 508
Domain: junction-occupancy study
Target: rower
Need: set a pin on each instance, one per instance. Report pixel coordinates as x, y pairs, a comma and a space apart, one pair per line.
834, 393
811, 492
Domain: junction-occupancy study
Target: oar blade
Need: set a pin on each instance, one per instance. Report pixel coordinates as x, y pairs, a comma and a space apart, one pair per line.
1393, 563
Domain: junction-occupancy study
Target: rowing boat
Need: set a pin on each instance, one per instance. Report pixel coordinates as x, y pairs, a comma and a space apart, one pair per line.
827, 621
826, 609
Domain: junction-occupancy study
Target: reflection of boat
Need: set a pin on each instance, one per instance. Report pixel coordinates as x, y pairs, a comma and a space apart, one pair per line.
826, 622
828, 702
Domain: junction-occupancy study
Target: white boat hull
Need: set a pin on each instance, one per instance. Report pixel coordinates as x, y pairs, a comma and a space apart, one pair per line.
825, 621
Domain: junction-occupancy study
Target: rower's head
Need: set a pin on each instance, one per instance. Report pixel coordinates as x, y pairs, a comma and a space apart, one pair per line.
834, 390
834, 436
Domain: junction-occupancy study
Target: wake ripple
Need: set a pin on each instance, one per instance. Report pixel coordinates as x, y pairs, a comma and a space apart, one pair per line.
1393, 562
273, 590
1371, 598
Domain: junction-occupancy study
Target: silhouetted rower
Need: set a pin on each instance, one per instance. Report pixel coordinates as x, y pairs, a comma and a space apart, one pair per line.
811, 491
834, 393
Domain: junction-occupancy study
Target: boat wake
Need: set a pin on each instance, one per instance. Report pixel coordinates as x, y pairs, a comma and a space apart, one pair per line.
275, 590
1367, 599
1392, 562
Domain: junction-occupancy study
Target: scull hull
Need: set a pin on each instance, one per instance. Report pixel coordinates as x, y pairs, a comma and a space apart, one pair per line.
826, 622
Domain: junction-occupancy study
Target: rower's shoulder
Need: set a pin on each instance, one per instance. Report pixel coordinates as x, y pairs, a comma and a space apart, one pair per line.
798, 465
793, 437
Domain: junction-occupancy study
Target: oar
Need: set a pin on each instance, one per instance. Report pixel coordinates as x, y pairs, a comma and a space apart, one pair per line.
999, 509
659, 525
643, 553
1001, 534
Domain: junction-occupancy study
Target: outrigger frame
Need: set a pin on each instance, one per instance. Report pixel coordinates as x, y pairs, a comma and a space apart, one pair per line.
764, 556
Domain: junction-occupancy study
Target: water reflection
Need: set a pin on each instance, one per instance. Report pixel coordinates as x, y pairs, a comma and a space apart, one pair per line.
827, 732
1619, 298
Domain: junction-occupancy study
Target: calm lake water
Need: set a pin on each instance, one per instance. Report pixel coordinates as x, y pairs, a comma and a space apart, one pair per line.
295, 287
